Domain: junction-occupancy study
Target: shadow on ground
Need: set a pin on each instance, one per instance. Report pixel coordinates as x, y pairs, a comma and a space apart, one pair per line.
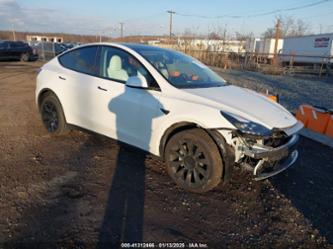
309, 185
59, 210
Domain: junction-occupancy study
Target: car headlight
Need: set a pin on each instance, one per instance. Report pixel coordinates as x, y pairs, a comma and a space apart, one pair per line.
246, 126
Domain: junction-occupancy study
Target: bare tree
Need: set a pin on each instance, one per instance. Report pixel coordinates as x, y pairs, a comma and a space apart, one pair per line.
299, 28
243, 37
269, 33
289, 27
214, 36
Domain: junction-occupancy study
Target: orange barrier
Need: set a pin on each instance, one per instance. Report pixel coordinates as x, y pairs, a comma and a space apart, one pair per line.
329, 128
304, 113
274, 98
318, 120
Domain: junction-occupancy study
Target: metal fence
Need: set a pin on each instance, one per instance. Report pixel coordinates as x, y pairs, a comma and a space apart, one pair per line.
285, 63
48, 50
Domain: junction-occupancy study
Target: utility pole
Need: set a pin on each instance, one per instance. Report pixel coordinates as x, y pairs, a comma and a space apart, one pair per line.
277, 37
121, 30
170, 34
13, 30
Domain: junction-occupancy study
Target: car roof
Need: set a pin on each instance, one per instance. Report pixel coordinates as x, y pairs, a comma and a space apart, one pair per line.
139, 46
8, 41
133, 46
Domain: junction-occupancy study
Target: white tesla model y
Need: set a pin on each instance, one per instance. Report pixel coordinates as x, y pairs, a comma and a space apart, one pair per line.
170, 105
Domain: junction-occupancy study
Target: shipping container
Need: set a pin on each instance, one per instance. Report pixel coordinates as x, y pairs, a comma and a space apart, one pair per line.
267, 46
252, 45
310, 49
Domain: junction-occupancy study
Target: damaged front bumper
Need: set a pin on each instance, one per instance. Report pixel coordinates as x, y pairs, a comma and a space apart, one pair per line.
270, 161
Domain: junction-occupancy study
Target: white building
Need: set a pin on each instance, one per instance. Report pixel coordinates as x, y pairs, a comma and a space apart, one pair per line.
153, 42
44, 38
213, 45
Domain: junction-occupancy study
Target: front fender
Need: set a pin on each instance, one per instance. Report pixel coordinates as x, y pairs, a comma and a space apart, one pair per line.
196, 115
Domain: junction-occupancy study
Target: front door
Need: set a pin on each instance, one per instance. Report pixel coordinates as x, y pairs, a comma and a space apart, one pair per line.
4, 50
123, 112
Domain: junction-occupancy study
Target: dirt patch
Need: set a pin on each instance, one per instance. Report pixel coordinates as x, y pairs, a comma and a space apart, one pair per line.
84, 190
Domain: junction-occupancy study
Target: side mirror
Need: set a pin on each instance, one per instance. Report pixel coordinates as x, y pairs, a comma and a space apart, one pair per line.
137, 82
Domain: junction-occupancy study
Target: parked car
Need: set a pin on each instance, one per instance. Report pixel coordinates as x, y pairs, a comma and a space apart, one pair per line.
50, 48
17, 50
170, 105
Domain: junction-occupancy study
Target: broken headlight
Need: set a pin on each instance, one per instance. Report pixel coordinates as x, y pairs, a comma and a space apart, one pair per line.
246, 126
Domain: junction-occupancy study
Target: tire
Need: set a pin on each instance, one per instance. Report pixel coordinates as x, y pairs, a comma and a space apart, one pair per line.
52, 115
25, 57
193, 161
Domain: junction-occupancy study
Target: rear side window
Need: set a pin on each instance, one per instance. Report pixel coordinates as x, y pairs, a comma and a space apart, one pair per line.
82, 60
4, 45
18, 45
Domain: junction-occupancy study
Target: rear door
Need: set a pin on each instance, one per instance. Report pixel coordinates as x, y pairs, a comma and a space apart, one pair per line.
77, 81
13, 50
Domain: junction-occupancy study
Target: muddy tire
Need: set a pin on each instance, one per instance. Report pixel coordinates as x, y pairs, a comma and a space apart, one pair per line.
193, 161
52, 115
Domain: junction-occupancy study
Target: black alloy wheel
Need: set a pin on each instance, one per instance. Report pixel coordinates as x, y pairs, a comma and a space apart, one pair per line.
50, 116
193, 160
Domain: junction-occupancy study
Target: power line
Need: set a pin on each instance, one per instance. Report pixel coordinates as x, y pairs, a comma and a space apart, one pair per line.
318, 15
291, 8
256, 15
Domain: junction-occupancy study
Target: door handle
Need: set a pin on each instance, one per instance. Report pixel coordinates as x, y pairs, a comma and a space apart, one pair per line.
62, 78
101, 88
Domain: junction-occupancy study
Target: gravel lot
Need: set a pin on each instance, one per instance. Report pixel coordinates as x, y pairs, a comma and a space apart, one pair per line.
293, 91
83, 190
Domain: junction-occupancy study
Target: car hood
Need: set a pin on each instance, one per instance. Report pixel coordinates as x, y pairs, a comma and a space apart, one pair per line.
247, 104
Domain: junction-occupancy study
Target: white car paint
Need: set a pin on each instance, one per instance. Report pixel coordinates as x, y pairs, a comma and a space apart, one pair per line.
142, 123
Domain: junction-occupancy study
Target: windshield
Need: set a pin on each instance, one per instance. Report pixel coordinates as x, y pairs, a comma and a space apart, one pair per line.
180, 70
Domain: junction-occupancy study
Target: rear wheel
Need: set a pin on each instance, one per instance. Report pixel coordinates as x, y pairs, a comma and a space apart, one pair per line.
52, 115
194, 161
25, 57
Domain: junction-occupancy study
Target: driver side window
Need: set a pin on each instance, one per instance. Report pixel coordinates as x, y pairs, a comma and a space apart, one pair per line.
119, 65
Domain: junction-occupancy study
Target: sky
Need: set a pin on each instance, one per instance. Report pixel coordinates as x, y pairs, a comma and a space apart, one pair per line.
149, 17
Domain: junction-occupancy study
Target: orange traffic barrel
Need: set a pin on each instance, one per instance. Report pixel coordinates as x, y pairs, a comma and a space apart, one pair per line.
318, 120
304, 113
329, 128
274, 97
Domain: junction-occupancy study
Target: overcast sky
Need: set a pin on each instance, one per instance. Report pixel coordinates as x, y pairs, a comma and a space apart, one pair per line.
149, 17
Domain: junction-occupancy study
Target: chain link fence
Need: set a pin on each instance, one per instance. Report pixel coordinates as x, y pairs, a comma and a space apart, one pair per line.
48, 50
262, 62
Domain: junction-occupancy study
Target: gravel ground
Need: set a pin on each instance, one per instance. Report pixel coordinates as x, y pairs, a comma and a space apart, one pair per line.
86, 191
293, 91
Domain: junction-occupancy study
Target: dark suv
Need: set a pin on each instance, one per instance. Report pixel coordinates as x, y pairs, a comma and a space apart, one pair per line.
17, 50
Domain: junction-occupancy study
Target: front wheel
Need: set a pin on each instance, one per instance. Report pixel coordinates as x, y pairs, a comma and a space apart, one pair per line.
193, 161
